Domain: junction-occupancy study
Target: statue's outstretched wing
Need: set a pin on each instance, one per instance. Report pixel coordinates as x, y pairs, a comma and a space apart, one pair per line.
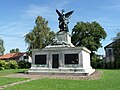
59, 14
68, 14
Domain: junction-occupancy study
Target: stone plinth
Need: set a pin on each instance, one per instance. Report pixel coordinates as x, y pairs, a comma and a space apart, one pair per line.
61, 60
62, 39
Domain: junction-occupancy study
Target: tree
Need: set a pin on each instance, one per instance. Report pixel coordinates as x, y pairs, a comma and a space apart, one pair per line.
15, 50
40, 36
116, 50
2, 49
89, 35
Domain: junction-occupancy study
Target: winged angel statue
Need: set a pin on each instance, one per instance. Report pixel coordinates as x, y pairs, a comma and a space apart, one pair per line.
64, 19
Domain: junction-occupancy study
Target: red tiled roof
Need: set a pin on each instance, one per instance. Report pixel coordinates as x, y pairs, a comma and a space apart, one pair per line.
11, 55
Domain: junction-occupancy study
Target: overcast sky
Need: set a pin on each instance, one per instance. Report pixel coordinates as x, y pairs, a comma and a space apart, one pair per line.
17, 17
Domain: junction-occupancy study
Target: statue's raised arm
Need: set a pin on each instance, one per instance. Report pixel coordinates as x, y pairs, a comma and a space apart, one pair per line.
63, 19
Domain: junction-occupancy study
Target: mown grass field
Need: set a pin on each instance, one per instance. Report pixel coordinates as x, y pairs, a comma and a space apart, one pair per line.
11, 71
110, 81
8, 80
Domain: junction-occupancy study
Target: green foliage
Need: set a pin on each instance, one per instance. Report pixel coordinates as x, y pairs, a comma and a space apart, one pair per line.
88, 34
96, 61
2, 49
7, 65
24, 64
13, 64
40, 36
2, 68
2, 64
15, 50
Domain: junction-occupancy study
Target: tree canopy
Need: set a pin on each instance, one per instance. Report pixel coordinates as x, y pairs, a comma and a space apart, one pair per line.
88, 34
40, 36
15, 50
2, 49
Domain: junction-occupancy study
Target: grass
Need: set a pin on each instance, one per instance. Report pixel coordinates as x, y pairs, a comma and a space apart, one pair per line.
11, 71
7, 80
110, 81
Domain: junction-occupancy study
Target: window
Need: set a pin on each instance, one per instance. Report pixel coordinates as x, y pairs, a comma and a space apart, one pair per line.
25, 57
40, 59
71, 59
109, 52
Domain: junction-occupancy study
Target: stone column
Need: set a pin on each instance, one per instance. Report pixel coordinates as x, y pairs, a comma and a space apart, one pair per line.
60, 60
80, 59
50, 60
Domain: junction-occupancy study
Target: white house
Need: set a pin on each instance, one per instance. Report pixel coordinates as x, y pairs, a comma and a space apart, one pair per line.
16, 56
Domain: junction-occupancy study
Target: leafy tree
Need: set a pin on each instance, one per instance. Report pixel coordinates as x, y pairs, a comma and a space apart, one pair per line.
40, 36
116, 50
2, 49
88, 34
15, 50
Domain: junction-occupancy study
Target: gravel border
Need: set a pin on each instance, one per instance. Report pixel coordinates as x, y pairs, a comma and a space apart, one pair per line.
94, 76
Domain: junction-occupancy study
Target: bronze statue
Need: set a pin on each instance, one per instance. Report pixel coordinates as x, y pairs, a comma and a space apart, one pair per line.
63, 19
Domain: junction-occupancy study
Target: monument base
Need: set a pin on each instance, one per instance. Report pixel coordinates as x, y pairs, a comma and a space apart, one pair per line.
61, 60
63, 71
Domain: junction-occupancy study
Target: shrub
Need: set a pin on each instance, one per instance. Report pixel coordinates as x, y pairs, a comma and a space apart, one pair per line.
7, 65
24, 64
13, 64
2, 64
2, 68
96, 61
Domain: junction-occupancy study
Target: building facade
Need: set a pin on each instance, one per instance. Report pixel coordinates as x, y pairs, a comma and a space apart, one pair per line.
109, 56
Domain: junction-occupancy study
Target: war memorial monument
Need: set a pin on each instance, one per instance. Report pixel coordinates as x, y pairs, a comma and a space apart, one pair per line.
61, 56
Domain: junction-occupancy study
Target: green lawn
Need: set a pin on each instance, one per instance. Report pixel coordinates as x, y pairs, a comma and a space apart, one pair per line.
11, 71
6, 80
110, 81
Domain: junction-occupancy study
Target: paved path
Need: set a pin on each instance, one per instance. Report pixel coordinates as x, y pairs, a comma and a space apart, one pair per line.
94, 76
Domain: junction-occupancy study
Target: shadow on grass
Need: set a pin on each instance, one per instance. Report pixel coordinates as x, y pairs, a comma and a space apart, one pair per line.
24, 71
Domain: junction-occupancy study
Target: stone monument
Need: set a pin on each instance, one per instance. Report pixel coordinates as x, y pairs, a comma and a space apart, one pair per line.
61, 56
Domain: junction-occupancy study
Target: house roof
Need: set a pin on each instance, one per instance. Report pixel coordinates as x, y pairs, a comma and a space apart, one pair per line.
109, 45
11, 55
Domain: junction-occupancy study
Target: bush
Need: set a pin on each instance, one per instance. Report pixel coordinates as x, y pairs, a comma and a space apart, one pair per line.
96, 61
24, 64
7, 65
2, 64
13, 64
2, 68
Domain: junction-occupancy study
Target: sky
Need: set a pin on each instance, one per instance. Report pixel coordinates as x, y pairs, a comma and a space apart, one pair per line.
17, 18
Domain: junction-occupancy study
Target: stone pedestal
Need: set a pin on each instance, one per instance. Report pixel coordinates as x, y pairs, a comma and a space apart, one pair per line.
61, 60
61, 57
62, 39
